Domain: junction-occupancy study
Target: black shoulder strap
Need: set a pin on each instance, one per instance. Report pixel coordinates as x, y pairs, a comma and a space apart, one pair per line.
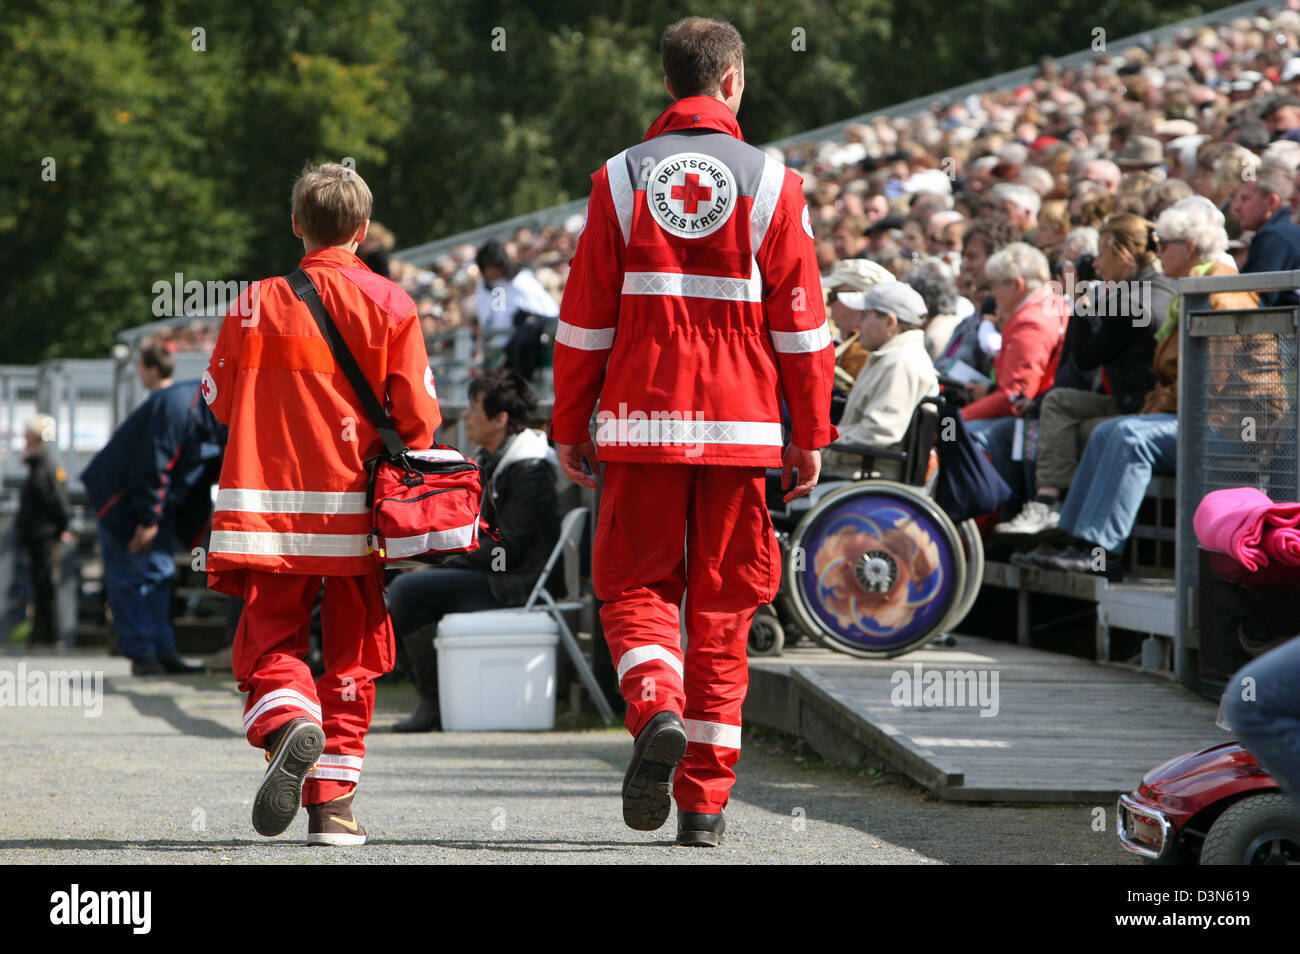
306, 291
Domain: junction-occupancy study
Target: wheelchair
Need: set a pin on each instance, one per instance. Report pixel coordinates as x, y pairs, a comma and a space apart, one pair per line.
871, 567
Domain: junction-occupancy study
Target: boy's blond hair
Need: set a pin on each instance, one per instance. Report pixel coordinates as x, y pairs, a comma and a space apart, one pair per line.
331, 201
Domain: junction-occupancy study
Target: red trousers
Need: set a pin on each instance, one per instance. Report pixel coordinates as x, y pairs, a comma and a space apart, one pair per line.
703, 530
271, 645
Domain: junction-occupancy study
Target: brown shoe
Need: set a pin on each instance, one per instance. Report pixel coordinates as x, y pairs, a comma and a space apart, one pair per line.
331, 823
292, 750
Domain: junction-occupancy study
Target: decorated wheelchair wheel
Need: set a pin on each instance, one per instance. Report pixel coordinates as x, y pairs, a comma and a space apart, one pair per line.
874, 569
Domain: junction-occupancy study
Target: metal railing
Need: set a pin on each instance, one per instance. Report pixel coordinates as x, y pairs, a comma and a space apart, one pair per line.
1238, 393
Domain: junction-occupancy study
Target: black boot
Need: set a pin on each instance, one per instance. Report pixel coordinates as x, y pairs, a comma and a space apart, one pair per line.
646, 788
174, 664
146, 665
700, 830
425, 718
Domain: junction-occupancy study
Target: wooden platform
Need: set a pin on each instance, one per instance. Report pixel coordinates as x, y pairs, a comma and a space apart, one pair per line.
1064, 729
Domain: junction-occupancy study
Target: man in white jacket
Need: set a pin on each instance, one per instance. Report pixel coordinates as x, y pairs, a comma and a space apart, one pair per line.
890, 385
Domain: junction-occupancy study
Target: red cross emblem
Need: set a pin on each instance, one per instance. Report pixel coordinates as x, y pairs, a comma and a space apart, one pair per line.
207, 389
692, 193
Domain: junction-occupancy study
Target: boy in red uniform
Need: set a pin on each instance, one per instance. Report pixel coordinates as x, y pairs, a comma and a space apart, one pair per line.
291, 506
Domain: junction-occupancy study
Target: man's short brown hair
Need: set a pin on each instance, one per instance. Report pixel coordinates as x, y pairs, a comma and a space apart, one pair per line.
697, 52
331, 202
155, 354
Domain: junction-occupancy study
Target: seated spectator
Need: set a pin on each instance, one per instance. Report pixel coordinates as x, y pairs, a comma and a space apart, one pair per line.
1032, 315
520, 477
897, 375
849, 237
983, 238
850, 275
1018, 204
1102, 171
935, 282
1129, 308
1264, 206
1123, 452
1053, 226
1162, 195
944, 237
914, 238
505, 293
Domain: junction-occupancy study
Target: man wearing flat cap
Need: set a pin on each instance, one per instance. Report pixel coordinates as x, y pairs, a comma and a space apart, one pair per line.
897, 374
850, 275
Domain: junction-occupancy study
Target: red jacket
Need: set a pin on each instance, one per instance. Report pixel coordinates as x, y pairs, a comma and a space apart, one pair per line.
694, 303
293, 485
1031, 350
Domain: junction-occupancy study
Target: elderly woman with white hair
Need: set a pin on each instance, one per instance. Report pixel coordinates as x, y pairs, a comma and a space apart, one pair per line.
1123, 452
1032, 316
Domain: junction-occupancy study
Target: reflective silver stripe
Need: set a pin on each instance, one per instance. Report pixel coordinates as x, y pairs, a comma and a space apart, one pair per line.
263, 543
281, 697
337, 774
769, 191
713, 733
290, 501
643, 654
681, 285
584, 339
667, 429
622, 192
454, 539
341, 761
795, 342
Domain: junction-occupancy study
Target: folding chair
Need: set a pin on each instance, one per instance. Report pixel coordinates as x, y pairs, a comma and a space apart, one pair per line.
540, 600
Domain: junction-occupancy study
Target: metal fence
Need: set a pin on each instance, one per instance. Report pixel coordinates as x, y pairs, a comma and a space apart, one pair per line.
1237, 424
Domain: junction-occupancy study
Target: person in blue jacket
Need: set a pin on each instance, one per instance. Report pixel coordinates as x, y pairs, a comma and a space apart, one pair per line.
1264, 206
149, 485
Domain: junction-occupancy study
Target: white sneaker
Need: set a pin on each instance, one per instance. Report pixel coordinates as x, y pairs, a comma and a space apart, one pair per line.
1035, 517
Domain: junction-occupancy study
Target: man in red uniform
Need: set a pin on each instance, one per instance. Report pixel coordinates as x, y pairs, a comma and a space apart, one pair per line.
693, 308
291, 506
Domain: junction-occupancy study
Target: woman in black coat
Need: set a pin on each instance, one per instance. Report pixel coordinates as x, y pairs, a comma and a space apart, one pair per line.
520, 474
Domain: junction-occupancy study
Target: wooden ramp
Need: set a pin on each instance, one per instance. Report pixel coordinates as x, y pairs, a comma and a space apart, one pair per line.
1058, 728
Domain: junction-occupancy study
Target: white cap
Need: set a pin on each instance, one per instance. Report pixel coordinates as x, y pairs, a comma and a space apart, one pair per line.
895, 298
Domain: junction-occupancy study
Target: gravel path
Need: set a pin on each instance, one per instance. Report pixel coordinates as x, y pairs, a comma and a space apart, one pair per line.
164, 776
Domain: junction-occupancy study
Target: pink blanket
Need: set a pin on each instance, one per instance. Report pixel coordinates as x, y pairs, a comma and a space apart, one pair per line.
1244, 523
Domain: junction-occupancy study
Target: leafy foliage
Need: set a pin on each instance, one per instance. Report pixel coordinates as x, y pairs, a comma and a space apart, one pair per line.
176, 127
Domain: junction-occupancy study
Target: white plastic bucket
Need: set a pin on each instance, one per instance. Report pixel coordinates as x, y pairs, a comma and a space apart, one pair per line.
496, 671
